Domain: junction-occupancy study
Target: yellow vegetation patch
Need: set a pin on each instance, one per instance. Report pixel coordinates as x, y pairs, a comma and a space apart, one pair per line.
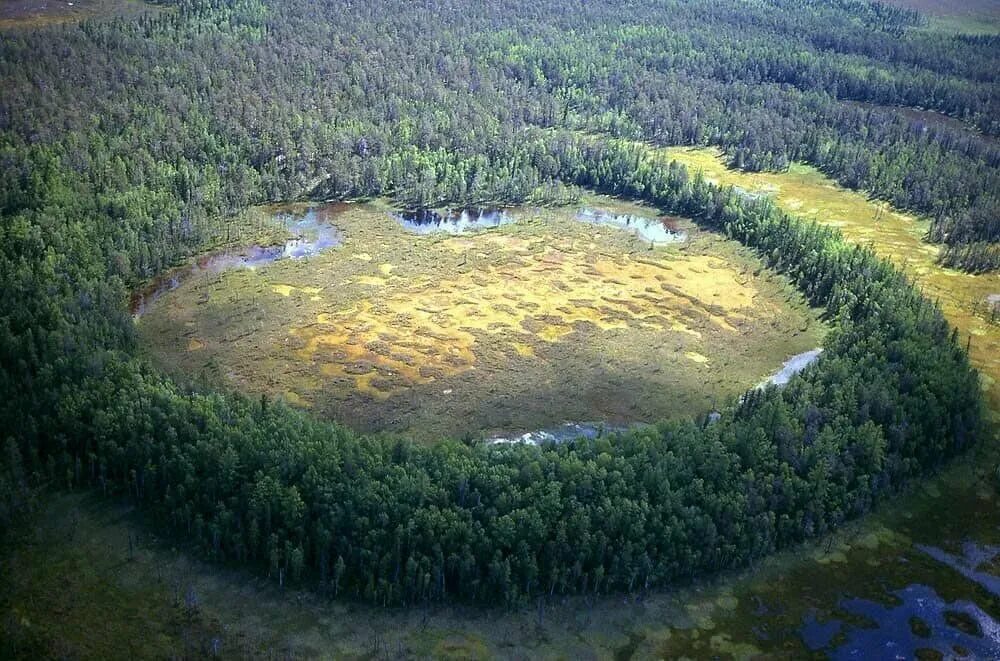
808, 193
423, 329
523, 350
371, 281
288, 290
296, 399
533, 324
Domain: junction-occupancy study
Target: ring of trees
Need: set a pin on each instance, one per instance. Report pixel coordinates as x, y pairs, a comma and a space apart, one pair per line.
391, 522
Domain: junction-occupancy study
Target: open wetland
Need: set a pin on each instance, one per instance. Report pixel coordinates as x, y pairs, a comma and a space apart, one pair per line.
969, 301
496, 321
451, 330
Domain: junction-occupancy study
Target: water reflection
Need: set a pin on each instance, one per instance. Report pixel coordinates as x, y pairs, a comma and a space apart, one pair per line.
921, 622
791, 367
655, 230
457, 221
968, 564
817, 634
570, 431
312, 233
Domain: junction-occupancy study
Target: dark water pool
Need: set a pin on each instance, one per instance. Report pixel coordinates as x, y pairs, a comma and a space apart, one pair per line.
564, 433
312, 232
452, 221
918, 623
659, 231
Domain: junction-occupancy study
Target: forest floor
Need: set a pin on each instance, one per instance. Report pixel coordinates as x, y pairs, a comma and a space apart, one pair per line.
39, 13
528, 325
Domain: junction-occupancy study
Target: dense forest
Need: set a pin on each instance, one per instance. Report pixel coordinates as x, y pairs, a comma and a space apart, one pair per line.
126, 145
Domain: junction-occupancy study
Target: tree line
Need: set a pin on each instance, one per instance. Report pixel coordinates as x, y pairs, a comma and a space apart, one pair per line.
182, 119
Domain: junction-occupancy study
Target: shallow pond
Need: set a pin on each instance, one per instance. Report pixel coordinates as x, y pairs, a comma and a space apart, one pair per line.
569, 431
922, 622
311, 232
655, 230
452, 221
791, 367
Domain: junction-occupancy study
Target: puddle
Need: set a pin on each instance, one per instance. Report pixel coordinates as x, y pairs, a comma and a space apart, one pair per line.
921, 622
311, 232
569, 431
659, 231
791, 367
816, 634
452, 221
968, 564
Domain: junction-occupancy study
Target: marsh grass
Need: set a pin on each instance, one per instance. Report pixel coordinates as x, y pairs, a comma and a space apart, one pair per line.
515, 328
806, 192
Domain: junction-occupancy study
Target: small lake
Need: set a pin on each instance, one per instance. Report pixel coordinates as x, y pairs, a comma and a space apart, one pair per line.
659, 231
452, 221
312, 233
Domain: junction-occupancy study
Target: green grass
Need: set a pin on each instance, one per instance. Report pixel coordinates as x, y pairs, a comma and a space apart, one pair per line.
962, 16
979, 25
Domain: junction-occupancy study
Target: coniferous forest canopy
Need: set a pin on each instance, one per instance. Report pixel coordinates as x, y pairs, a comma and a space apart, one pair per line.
126, 145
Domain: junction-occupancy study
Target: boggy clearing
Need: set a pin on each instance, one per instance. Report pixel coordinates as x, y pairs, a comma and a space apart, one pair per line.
524, 325
31, 14
970, 302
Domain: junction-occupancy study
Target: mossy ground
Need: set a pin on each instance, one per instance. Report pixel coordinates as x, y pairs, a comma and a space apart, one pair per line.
524, 326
